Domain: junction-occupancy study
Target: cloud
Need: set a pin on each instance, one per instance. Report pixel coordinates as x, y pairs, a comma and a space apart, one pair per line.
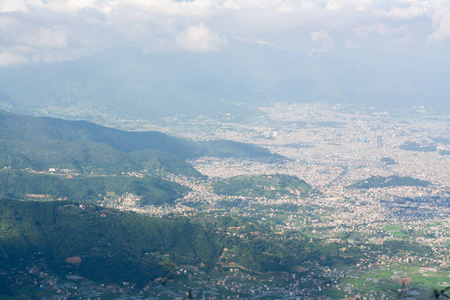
404, 13
8, 58
379, 29
200, 39
13, 5
46, 38
324, 39
67, 29
441, 21
261, 42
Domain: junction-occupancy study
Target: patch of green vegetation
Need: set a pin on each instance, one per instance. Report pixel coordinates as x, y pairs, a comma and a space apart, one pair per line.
388, 280
335, 293
390, 181
396, 230
224, 148
111, 246
269, 186
393, 227
151, 190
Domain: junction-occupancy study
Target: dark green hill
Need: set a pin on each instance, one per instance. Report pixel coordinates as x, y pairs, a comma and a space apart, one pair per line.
390, 181
153, 191
223, 148
111, 246
106, 245
43, 143
42, 130
269, 186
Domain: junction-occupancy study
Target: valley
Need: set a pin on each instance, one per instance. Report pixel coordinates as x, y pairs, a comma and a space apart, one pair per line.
337, 209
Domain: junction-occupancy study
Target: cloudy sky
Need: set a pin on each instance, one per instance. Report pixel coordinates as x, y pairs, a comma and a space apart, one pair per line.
48, 31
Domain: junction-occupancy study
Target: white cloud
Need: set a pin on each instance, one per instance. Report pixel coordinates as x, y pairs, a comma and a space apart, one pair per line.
404, 13
261, 42
13, 5
200, 39
46, 38
441, 21
65, 29
324, 39
360, 5
334, 5
379, 29
321, 35
9, 58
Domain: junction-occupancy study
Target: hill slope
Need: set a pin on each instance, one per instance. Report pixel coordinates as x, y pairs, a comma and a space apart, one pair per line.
269, 186
42, 143
389, 181
110, 246
88, 189
106, 245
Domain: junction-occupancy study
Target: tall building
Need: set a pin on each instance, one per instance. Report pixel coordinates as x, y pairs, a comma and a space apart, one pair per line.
379, 141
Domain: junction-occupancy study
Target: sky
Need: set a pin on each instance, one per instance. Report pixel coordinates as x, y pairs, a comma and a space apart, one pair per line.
49, 31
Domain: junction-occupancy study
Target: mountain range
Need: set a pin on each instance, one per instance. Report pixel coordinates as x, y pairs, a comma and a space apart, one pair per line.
134, 83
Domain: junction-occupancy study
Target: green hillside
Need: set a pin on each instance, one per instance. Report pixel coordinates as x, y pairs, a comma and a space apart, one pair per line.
113, 246
108, 245
22, 185
42, 143
224, 148
269, 186
390, 181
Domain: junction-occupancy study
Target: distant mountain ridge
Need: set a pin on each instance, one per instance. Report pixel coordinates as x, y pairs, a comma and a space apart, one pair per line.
42, 143
133, 83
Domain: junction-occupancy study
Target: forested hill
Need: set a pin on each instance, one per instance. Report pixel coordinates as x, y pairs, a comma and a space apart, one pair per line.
270, 186
105, 245
41, 143
88, 189
389, 181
